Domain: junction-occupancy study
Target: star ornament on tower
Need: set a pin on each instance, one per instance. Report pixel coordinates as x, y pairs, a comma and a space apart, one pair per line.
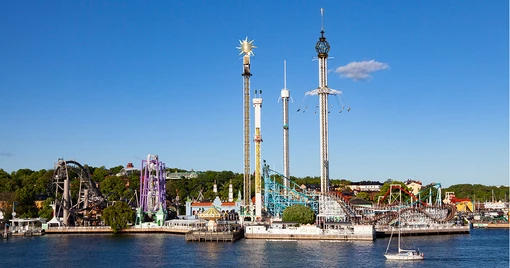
246, 47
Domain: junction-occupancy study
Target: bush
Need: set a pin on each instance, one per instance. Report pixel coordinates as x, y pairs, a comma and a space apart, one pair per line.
118, 216
299, 214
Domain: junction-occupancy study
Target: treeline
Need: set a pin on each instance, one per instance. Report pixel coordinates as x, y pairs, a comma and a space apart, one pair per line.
479, 192
21, 188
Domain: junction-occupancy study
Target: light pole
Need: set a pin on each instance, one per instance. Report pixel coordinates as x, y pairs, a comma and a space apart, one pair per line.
14, 203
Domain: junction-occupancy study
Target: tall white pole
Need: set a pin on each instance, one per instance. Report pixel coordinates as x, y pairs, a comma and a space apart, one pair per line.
230, 192
285, 95
257, 103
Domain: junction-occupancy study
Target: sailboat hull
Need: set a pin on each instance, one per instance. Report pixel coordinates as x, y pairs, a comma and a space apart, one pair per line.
404, 256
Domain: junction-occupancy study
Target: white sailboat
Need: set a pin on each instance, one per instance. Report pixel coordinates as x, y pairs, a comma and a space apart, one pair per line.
402, 254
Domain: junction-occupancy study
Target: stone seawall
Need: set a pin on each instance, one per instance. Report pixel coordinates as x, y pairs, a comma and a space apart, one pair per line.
204, 236
106, 230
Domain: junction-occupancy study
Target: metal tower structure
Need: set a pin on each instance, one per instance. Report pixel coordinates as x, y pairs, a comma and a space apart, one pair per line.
276, 201
257, 103
152, 189
246, 47
322, 48
285, 95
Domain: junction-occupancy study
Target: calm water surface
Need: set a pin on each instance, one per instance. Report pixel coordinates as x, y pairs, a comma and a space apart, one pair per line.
481, 248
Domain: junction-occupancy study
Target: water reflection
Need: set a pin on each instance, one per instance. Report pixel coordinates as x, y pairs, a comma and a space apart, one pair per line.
482, 248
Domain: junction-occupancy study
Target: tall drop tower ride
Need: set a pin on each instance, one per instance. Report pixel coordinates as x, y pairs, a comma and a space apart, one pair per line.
246, 47
322, 49
285, 95
257, 103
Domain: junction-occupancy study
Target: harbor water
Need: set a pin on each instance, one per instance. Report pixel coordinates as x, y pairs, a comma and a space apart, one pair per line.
481, 248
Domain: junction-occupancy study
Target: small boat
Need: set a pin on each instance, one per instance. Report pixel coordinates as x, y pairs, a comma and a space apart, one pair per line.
403, 254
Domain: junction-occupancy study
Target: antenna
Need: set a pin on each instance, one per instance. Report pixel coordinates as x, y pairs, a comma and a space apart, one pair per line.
284, 74
322, 19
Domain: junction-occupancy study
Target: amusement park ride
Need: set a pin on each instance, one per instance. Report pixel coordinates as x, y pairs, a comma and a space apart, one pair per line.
77, 198
280, 192
152, 192
79, 202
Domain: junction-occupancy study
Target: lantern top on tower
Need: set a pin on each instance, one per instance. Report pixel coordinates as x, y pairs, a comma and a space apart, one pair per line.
322, 46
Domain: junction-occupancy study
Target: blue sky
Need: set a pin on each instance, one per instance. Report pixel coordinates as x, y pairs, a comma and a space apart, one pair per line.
108, 82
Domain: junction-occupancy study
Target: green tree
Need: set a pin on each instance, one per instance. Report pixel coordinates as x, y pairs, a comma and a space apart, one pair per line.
299, 213
8, 198
386, 187
115, 170
7, 183
363, 195
134, 180
22, 172
46, 211
479, 192
100, 174
25, 198
113, 187
118, 216
43, 182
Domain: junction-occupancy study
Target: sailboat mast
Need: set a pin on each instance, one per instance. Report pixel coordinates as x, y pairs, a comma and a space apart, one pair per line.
399, 219
399, 226
389, 242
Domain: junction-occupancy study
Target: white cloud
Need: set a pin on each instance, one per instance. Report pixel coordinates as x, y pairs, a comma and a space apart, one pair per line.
361, 70
8, 154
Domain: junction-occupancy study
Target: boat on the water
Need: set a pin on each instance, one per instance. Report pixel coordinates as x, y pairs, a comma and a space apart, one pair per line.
405, 255
402, 254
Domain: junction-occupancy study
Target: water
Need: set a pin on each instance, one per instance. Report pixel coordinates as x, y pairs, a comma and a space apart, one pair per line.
481, 248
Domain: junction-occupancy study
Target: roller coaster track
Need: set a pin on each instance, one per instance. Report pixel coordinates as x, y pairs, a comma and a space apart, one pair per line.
85, 198
392, 214
398, 187
277, 197
345, 207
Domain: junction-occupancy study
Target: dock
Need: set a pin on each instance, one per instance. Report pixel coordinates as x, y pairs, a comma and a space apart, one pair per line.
205, 236
278, 231
491, 225
499, 225
291, 237
433, 230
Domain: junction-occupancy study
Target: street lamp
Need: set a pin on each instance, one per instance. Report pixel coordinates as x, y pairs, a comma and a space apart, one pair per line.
14, 203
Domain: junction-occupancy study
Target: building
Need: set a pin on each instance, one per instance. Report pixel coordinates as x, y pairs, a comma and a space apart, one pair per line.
414, 185
360, 202
181, 175
128, 170
365, 186
193, 208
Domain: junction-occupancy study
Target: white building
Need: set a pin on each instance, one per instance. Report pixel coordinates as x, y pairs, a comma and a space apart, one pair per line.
365, 186
181, 175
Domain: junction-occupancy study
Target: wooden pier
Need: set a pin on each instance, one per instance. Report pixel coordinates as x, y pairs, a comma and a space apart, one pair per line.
204, 236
